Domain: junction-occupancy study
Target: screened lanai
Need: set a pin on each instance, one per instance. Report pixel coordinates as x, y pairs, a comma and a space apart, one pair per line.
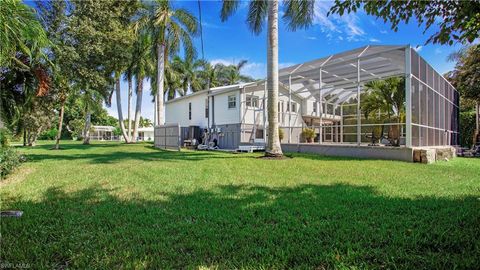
420, 110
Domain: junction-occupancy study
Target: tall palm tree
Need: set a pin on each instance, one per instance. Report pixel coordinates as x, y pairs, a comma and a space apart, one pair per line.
232, 74
128, 76
297, 14
188, 70
169, 29
209, 74
142, 69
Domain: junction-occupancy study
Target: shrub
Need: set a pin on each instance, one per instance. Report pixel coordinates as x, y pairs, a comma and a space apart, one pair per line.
308, 134
467, 128
50, 134
281, 134
9, 160
5, 137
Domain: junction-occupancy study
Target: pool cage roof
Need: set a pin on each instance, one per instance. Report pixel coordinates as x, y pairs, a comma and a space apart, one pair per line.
339, 73
431, 102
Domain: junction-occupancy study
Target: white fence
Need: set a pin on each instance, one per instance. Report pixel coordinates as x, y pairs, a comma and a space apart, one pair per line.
167, 137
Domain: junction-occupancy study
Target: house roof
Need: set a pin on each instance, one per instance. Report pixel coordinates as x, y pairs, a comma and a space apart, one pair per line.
103, 128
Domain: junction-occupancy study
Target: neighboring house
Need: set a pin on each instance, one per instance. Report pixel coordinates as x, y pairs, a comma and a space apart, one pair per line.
103, 133
145, 134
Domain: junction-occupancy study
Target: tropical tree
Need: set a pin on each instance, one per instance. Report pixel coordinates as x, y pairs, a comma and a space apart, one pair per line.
143, 68
54, 19
457, 21
466, 75
25, 71
209, 75
387, 96
297, 14
232, 74
188, 73
169, 28
99, 33
128, 76
20, 32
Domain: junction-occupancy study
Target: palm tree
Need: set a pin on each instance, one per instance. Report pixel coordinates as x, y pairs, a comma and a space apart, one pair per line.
385, 95
20, 31
209, 75
231, 74
128, 76
169, 28
142, 69
298, 14
188, 71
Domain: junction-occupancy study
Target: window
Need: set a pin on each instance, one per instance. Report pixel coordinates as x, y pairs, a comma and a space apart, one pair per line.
232, 102
315, 104
252, 101
259, 133
189, 111
294, 107
206, 108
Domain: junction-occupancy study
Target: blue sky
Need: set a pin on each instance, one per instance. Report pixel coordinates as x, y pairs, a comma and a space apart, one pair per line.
232, 41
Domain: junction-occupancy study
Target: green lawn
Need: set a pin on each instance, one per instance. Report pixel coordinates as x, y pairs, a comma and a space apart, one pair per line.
131, 206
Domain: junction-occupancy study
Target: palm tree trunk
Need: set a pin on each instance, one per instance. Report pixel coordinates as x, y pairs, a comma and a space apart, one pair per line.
88, 124
119, 109
60, 124
138, 108
160, 79
273, 146
129, 107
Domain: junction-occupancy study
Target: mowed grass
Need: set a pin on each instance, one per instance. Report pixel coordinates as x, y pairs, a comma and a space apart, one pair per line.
115, 206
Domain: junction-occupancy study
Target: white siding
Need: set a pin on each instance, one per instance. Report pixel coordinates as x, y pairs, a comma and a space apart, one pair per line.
224, 115
177, 111
248, 115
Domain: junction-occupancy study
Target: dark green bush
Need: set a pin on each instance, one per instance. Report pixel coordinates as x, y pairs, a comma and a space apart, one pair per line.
467, 128
9, 160
50, 134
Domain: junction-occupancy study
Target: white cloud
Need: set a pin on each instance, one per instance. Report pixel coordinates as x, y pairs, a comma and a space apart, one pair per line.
212, 25
374, 40
336, 26
311, 38
418, 48
383, 32
438, 51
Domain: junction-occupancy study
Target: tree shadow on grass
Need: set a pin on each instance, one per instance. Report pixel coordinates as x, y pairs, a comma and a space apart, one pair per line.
112, 156
234, 226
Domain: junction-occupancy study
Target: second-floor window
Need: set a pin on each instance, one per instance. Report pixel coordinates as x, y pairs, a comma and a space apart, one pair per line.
206, 108
252, 101
294, 107
232, 102
315, 105
189, 111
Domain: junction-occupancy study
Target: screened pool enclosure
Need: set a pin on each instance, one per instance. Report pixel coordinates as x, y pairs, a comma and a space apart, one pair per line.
374, 95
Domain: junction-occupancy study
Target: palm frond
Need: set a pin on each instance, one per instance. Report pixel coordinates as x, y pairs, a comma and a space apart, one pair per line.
228, 8
298, 13
257, 13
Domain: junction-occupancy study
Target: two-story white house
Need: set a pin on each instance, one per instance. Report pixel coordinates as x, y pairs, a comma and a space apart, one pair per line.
237, 114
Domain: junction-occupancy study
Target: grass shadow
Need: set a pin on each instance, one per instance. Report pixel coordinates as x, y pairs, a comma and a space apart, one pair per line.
243, 226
